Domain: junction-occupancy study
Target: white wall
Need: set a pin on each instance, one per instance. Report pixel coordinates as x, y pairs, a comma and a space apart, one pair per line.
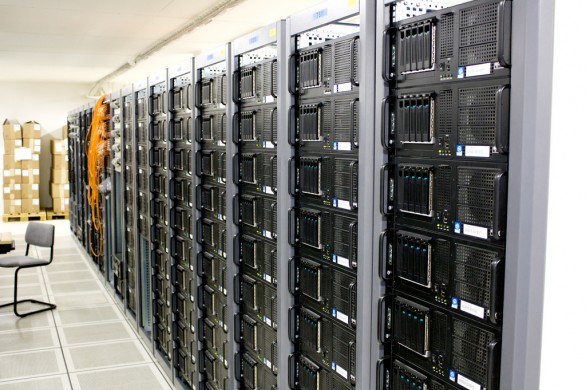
564, 337
48, 104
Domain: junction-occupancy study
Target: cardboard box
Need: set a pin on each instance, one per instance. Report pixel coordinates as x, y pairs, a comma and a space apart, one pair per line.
12, 176
31, 206
30, 176
11, 145
11, 163
59, 190
60, 161
60, 176
31, 129
11, 130
33, 144
58, 146
12, 191
61, 205
13, 206
30, 164
30, 191
65, 132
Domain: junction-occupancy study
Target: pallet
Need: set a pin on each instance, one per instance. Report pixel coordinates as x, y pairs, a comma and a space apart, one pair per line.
24, 217
51, 215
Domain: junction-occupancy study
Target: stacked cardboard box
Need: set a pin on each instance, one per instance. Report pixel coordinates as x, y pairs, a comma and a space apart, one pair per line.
29, 156
60, 174
12, 180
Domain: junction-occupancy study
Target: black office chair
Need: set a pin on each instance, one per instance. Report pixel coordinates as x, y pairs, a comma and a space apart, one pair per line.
37, 234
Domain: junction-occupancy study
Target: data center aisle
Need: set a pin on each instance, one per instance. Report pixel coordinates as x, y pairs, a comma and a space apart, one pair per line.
86, 343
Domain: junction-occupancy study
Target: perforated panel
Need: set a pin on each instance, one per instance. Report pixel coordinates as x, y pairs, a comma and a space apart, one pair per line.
473, 275
476, 195
470, 350
446, 44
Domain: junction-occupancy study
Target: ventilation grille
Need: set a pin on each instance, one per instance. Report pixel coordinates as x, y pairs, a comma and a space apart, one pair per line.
446, 44
473, 275
476, 196
470, 351
478, 34
477, 116
445, 107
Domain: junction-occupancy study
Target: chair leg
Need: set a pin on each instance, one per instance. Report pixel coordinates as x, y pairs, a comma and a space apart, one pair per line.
16, 302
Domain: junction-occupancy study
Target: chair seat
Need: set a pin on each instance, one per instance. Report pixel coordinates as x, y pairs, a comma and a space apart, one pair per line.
21, 261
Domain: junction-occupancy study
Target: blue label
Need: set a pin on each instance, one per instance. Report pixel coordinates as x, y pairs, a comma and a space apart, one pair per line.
335, 258
461, 72
335, 202
333, 365
452, 375
457, 227
454, 303
320, 14
252, 40
335, 145
459, 150
334, 312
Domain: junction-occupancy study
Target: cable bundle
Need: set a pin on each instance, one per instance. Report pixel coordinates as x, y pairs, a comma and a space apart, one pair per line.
97, 151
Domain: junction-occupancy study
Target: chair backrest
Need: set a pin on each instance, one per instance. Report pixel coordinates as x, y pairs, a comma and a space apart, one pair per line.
40, 234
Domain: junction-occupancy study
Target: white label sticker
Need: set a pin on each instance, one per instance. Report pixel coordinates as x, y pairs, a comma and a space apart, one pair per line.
35, 202
268, 363
268, 278
472, 309
35, 172
268, 190
268, 321
7, 190
475, 231
343, 204
342, 372
36, 187
478, 70
17, 172
35, 157
467, 383
343, 146
66, 186
477, 151
268, 145
346, 87
269, 99
342, 317
343, 261
18, 202
267, 234
7, 172
25, 172
17, 187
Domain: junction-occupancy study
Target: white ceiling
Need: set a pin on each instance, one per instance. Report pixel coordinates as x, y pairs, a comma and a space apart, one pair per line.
81, 41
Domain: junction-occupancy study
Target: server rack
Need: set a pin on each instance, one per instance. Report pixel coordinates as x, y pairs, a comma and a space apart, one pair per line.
140, 122
157, 155
181, 114
445, 125
255, 214
323, 177
73, 131
129, 204
213, 243
114, 201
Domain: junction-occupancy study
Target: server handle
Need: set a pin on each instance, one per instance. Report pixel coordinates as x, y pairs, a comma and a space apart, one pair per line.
496, 286
500, 196
236, 128
200, 333
238, 328
236, 169
236, 209
384, 331
236, 245
385, 192
293, 137
293, 325
238, 366
493, 366
355, 127
198, 163
198, 102
199, 265
273, 112
198, 129
388, 74
504, 33
502, 119
354, 65
293, 190
292, 227
353, 202
236, 292
292, 74
236, 87
386, 130
385, 266
292, 378
293, 275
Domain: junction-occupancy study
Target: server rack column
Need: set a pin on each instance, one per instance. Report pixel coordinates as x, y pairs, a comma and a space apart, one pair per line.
211, 232
159, 210
114, 202
446, 126
144, 186
129, 197
255, 171
181, 111
324, 127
